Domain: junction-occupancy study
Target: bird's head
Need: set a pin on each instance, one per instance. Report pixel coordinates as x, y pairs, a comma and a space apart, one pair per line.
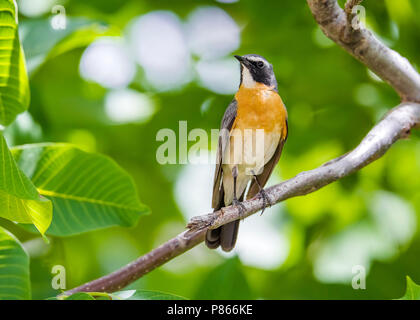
256, 70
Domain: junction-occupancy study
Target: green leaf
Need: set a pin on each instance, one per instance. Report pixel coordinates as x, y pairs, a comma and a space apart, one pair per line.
42, 42
14, 269
412, 292
123, 295
145, 295
89, 191
19, 199
226, 281
80, 296
14, 87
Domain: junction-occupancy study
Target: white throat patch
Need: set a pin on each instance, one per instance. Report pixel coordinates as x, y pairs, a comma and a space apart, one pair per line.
247, 80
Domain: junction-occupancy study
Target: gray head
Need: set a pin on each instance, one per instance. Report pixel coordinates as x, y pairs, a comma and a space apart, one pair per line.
256, 69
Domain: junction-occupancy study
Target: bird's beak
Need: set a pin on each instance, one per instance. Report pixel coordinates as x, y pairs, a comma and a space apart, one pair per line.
243, 61
239, 58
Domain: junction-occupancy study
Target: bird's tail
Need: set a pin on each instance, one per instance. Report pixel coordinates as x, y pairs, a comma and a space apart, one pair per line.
224, 236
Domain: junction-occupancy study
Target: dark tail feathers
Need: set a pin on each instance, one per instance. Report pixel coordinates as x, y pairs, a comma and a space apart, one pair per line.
225, 236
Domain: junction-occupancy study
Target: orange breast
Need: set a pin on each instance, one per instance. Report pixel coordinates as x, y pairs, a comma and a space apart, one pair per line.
260, 108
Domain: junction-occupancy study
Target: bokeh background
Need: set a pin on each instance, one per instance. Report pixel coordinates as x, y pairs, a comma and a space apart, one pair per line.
122, 70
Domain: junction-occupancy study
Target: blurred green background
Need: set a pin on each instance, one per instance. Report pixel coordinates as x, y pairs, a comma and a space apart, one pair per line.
122, 70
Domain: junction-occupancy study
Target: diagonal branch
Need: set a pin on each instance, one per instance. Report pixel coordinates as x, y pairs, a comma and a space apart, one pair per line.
394, 126
388, 64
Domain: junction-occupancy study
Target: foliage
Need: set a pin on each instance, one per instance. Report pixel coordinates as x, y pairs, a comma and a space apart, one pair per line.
19, 197
42, 43
88, 191
14, 268
122, 295
14, 89
412, 291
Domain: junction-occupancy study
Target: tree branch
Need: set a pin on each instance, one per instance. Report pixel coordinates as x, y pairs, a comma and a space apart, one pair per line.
388, 64
394, 126
363, 45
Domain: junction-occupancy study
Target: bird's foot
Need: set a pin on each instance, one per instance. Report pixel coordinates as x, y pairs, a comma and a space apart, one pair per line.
240, 206
266, 200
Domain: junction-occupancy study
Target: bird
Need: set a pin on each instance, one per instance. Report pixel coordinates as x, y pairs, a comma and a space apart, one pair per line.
257, 108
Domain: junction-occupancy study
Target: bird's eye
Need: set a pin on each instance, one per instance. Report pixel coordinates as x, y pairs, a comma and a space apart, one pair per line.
260, 64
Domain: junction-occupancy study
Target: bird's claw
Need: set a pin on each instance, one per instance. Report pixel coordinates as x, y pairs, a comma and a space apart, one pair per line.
240, 206
266, 200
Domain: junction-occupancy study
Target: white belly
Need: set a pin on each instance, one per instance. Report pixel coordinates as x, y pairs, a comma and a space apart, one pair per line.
249, 150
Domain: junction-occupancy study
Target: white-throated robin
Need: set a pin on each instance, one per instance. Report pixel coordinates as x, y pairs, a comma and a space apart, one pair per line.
257, 107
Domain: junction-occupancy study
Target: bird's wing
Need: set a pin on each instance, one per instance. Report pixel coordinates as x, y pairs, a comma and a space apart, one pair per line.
226, 125
268, 169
